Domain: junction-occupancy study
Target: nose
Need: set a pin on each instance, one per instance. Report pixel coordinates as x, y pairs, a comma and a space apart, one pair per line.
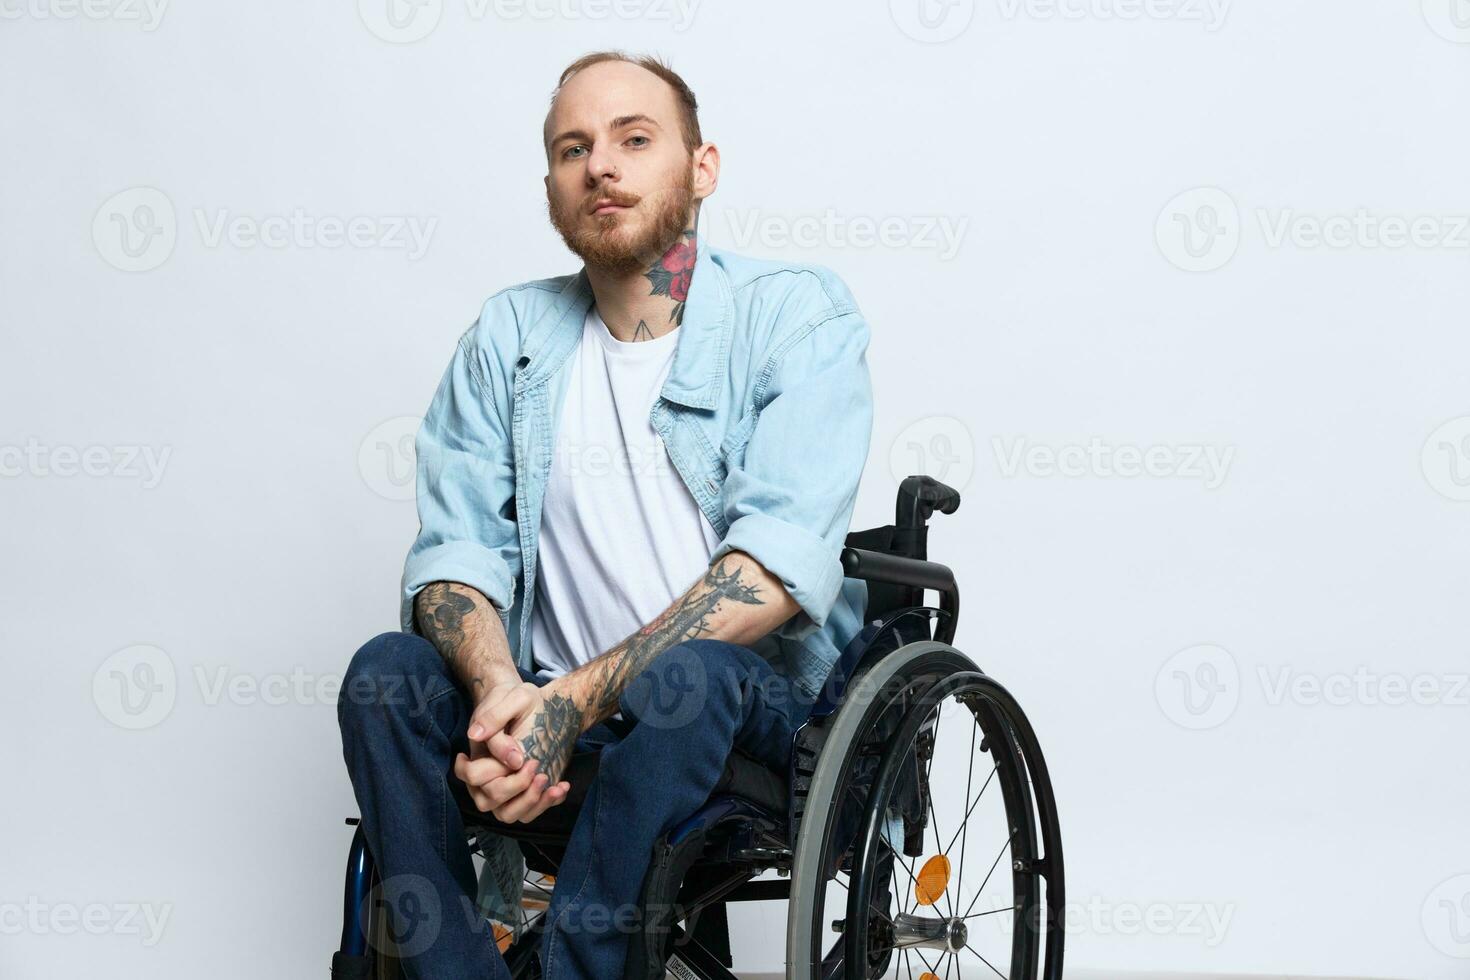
600, 165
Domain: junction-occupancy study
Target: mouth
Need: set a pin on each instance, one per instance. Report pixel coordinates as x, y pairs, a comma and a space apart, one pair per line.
605, 206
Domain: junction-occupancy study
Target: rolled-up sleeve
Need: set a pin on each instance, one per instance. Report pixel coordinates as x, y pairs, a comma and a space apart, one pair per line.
466, 488
788, 498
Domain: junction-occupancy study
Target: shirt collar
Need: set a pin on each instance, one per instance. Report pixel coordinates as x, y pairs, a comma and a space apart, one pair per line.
700, 355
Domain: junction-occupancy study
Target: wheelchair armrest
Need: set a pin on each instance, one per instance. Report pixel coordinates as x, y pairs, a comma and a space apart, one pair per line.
878, 566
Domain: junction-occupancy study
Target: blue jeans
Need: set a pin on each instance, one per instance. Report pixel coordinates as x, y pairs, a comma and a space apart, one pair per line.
403, 719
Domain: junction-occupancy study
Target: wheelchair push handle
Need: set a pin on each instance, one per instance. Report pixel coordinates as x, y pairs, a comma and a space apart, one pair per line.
919, 497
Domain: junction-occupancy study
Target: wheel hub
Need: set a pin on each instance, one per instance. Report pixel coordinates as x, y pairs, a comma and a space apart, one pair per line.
926, 932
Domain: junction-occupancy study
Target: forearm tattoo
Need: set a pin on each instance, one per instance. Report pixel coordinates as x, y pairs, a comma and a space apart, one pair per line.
689, 618
442, 615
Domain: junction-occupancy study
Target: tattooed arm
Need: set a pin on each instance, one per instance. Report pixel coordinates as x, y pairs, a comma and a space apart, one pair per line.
736, 600
466, 630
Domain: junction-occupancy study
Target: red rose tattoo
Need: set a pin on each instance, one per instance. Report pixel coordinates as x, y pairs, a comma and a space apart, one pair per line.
672, 274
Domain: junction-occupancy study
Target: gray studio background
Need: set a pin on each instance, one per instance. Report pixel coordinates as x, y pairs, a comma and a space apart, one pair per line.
1220, 246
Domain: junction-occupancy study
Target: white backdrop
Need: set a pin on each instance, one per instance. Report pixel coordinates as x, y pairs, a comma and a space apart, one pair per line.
1222, 247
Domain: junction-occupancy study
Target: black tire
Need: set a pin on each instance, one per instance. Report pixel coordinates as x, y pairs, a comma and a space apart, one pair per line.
884, 711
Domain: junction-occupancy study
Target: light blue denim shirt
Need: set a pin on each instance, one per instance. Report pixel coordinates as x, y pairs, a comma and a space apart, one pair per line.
766, 415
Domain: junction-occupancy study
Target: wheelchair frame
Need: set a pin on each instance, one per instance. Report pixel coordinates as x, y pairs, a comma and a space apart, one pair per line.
742, 841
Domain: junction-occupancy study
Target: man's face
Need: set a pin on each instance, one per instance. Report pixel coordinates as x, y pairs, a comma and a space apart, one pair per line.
620, 186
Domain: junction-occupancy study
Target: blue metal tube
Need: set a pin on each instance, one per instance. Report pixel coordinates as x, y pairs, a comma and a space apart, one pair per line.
360, 874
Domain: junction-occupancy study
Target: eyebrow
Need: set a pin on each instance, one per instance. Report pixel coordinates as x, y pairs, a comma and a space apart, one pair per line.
619, 123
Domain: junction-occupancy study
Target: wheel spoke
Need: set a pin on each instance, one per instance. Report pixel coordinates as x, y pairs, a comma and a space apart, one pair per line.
977, 915
981, 890
920, 954
959, 881
986, 962
973, 804
913, 879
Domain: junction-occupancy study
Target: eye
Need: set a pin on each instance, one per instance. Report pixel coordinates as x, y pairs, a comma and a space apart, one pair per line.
645, 139
567, 153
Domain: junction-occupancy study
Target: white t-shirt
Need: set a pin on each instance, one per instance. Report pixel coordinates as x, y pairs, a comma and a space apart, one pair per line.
620, 536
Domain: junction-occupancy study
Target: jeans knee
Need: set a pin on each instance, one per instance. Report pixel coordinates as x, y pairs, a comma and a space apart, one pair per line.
390, 671
691, 680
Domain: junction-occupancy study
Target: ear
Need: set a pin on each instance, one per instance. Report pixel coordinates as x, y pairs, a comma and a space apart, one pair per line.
706, 165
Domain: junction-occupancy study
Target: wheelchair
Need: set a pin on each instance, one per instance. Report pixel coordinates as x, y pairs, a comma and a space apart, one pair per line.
915, 777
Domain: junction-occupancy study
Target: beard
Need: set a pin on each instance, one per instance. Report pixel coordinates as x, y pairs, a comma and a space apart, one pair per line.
609, 243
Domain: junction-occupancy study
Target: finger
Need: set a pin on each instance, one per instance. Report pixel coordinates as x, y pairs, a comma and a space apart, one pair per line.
506, 749
519, 807
497, 715
507, 788
477, 772
549, 799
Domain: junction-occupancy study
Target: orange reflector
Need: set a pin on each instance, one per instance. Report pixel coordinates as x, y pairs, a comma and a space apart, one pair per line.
927, 976
933, 880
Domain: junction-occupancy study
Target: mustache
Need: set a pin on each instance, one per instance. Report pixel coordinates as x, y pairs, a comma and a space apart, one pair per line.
613, 197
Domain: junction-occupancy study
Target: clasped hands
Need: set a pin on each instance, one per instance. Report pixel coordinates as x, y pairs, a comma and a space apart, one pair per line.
516, 759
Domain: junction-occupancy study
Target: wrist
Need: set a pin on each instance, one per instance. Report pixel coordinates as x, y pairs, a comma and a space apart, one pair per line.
566, 686
483, 685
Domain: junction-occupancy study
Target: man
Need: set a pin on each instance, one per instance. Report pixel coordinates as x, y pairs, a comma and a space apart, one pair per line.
634, 487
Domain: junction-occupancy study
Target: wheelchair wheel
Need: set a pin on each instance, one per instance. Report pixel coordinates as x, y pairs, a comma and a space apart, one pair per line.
931, 846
